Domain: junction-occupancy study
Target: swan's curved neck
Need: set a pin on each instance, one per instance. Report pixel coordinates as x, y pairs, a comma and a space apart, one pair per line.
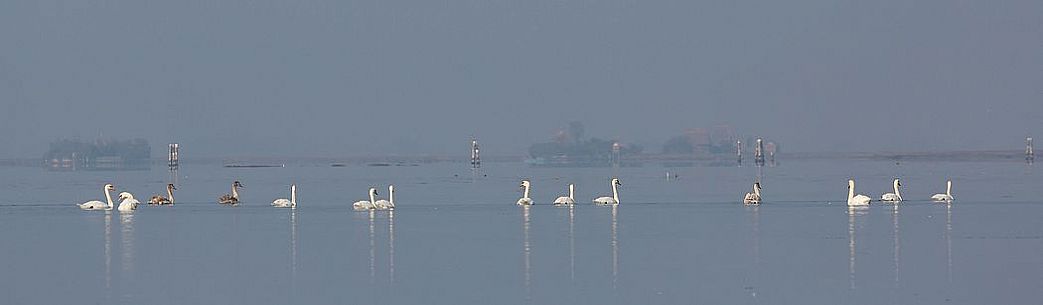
391, 196
615, 193
572, 190
293, 195
526, 191
372, 196
948, 188
235, 192
108, 197
896, 190
850, 190
757, 190
170, 194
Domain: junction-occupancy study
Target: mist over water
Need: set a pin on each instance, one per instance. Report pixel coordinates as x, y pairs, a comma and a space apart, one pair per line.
332, 78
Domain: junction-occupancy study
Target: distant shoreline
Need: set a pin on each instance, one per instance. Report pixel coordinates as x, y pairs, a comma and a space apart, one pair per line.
936, 156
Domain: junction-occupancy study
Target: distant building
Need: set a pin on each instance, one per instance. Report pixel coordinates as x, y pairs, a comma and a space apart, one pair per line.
70, 155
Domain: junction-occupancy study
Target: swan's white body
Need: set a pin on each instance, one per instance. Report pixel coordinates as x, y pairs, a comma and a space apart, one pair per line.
98, 205
855, 200
525, 200
127, 202
362, 205
615, 195
948, 193
893, 197
159, 199
755, 196
386, 204
570, 199
291, 203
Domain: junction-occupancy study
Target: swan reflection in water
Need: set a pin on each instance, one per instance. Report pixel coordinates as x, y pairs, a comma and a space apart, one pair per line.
615, 246
127, 246
108, 252
896, 242
391, 246
372, 251
526, 251
948, 242
852, 212
293, 250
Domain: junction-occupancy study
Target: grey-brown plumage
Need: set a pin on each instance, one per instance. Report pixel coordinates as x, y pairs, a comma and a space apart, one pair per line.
232, 198
160, 200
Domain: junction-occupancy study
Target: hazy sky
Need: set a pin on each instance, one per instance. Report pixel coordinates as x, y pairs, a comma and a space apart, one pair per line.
330, 78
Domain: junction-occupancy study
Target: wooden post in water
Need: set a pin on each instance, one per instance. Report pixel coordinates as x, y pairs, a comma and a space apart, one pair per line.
738, 151
476, 158
172, 156
1029, 154
758, 152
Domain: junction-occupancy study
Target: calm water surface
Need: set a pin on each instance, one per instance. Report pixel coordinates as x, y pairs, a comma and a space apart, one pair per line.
458, 238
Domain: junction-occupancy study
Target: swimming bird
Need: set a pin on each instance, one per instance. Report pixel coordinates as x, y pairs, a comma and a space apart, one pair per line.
755, 196
283, 203
893, 197
525, 200
615, 194
362, 205
386, 204
127, 202
567, 200
232, 198
852, 199
98, 205
947, 197
159, 199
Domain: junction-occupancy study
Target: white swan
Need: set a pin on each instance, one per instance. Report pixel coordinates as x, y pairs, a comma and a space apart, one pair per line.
755, 196
893, 197
283, 203
159, 199
947, 197
232, 198
569, 199
615, 194
362, 205
98, 205
127, 202
852, 199
525, 200
386, 204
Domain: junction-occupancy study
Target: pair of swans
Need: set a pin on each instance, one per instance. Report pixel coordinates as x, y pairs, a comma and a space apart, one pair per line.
614, 199
373, 203
284, 203
232, 198
160, 200
127, 201
755, 196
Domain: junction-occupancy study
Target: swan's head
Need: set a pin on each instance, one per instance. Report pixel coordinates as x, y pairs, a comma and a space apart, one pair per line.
850, 183
237, 184
757, 185
110, 187
897, 183
391, 188
171, 186
524, 183
293, 187
373, 191
615, 181
125, 195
